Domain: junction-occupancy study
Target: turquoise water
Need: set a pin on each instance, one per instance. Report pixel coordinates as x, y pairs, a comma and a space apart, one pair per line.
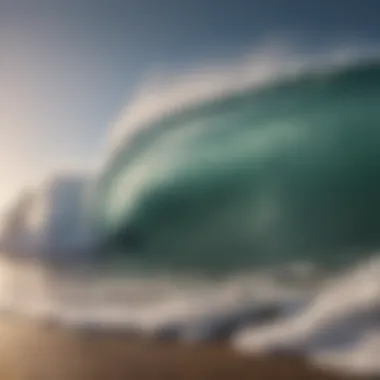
278, 174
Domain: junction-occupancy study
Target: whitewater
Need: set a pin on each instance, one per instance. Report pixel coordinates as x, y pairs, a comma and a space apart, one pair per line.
331, 318
251, 197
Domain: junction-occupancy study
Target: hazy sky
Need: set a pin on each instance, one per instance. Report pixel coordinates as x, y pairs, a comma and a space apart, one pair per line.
67, 67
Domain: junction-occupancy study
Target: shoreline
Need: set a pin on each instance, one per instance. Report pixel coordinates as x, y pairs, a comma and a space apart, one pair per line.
33, 349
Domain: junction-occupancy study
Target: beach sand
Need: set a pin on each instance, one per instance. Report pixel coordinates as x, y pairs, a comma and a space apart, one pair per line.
32, 351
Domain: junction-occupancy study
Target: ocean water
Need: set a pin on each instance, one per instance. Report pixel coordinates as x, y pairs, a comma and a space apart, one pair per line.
284, 171
245, 204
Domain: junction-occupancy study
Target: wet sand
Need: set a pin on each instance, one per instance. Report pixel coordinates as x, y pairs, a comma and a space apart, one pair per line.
31, 351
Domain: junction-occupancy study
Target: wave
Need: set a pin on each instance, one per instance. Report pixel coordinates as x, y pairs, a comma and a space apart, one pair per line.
275, 164
282, 171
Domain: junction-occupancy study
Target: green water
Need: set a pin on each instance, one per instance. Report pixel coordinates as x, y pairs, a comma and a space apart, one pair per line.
283, 173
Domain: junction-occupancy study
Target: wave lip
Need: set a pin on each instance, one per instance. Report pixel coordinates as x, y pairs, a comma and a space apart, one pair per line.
270, 63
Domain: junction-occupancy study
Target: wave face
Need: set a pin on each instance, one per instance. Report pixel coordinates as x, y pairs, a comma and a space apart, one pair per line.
272, 174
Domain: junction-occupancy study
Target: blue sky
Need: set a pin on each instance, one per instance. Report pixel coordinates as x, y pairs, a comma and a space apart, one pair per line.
67, 67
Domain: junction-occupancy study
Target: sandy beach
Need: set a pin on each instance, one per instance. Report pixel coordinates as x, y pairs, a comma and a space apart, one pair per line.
32, 351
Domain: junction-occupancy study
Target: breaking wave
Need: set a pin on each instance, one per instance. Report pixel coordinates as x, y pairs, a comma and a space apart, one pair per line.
274, 163
277, 168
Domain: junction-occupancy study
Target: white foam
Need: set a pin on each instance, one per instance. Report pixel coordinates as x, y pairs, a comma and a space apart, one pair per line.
333, 328
335, 324
361, 358
156, 304
151, 303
